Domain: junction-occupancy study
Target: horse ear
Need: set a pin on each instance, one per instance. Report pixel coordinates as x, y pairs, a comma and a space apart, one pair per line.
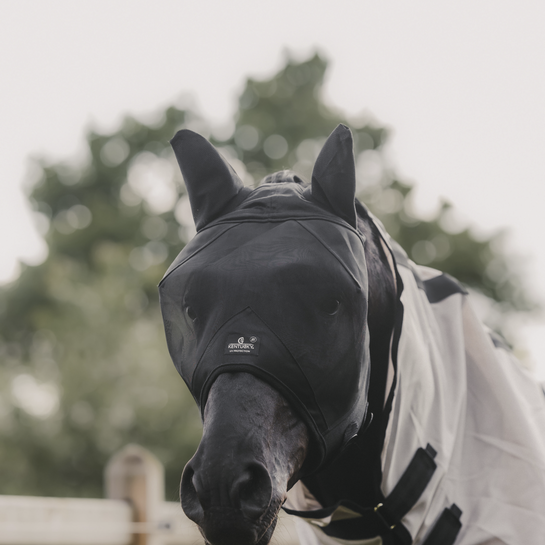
334, 175
211, 182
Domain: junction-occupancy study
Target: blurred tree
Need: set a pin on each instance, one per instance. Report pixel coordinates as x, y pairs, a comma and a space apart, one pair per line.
84, 362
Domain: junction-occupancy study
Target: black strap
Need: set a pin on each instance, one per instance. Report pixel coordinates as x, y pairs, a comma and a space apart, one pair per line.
385, 518
446, 528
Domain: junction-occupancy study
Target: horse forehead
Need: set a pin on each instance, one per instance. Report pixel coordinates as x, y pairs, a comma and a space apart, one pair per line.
285, 210
283, 194
290, 250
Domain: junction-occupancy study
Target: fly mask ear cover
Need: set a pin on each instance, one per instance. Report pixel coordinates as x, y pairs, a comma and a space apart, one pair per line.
276, 287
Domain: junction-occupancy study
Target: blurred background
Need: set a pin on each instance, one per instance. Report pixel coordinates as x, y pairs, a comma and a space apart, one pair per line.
446, 105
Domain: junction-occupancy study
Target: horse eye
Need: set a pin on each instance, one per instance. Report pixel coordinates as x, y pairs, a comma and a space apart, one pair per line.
190, 313
332, 307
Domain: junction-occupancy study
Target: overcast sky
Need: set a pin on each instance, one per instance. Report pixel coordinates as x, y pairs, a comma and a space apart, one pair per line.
461, 84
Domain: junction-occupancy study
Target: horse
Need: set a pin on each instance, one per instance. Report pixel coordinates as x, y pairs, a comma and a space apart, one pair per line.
337, 379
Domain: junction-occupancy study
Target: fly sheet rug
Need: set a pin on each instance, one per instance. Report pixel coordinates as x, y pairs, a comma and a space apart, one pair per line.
459, 390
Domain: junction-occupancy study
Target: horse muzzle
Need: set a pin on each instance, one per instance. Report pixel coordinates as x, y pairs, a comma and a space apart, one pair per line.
252, 446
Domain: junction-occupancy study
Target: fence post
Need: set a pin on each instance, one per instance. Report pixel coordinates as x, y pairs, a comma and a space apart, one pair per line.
135, 475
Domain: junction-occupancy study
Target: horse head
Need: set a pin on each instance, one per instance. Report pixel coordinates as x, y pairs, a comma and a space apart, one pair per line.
265, 314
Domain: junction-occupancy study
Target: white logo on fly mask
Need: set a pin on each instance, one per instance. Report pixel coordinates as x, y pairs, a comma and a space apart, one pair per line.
242, 345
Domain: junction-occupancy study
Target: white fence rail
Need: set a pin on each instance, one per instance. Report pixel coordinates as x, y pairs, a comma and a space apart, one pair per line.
135, 512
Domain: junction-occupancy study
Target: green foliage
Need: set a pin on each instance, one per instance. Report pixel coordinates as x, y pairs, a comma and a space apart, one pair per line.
84, 363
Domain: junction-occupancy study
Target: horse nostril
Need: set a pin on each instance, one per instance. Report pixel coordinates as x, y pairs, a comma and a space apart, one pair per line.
189, 497
252, 491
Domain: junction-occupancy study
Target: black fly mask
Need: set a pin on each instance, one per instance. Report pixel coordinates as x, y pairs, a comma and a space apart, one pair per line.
274, 284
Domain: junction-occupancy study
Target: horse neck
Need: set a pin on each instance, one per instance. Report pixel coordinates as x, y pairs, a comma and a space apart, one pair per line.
382, 290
